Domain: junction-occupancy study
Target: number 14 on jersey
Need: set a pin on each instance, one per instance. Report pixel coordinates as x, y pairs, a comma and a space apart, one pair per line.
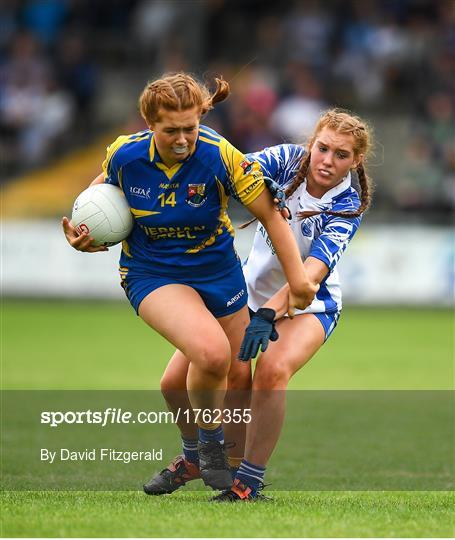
167, 199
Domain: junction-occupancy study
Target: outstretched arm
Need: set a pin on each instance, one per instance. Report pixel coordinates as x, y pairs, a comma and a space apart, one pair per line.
316, 271
301, 289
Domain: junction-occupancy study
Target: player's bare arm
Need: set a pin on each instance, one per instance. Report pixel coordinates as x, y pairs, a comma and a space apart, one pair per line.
316, 271
301, 290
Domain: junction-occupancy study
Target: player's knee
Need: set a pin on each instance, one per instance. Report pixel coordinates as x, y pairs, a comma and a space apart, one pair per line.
212, 358
271, 376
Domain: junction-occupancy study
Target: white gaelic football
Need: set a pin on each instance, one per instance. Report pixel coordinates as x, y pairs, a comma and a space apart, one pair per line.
102, 211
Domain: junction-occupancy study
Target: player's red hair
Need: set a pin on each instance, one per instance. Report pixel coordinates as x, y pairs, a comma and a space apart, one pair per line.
179, 92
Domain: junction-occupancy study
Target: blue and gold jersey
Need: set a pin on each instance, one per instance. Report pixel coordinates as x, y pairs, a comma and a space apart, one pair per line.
181, 223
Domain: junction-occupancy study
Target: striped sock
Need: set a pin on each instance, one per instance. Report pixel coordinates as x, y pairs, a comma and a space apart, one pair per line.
251, 475
234, 464
208, 435
190, 450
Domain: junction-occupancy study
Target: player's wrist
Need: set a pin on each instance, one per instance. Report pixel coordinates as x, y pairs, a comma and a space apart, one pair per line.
267, 314
300, 291
303, 285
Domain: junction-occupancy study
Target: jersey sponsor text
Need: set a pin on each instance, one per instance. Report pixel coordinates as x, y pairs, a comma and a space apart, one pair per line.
156, 233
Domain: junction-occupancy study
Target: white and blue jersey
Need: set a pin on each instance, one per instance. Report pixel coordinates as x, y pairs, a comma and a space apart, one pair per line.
323, 236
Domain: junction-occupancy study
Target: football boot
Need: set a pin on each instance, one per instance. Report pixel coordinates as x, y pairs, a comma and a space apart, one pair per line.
176, 475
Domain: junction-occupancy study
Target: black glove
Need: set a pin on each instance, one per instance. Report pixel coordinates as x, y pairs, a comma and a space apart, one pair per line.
277, 192
258, 333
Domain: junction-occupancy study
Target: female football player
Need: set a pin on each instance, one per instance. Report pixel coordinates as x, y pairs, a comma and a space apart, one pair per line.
326, 210
178, 267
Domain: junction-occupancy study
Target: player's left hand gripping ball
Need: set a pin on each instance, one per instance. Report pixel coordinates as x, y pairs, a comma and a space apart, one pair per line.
258, 333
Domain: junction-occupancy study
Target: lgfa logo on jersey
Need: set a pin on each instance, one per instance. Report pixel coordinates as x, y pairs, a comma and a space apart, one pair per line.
140, 192
196, 195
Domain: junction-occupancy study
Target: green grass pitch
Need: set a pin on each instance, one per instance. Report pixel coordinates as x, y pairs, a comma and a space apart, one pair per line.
78, 345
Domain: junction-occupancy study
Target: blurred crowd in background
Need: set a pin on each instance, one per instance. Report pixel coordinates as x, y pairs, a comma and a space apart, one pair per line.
72, 69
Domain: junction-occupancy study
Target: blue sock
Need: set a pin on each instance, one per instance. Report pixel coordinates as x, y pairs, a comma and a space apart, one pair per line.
208, 435
190, 450
251, 475
234, 471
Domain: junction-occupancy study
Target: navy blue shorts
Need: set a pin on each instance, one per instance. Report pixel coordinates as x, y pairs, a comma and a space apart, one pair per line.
223, 292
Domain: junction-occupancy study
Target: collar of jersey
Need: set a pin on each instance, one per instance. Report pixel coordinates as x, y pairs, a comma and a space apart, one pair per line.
329, 195
155, 158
